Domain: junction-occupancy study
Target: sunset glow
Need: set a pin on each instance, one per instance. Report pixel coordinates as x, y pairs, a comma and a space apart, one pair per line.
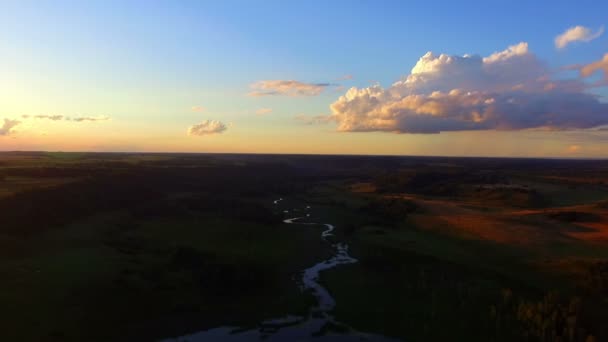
304, 78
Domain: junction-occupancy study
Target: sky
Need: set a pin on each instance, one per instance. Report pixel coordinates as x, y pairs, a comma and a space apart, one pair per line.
465, 78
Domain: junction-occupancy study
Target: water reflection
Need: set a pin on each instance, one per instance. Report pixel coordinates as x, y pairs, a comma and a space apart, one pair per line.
319, 325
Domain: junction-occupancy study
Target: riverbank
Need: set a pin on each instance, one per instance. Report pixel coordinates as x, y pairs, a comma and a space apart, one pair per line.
318, 324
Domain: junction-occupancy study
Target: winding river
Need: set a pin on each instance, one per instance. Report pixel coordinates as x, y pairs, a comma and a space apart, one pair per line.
296, 328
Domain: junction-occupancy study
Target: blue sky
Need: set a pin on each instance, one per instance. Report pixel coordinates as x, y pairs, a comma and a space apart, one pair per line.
145, 64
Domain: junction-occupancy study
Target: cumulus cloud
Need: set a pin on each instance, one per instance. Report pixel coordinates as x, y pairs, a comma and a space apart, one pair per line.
207, 127
263, 111
577, 34
509, 90
7, 127
198, 109
287, 88
601, 65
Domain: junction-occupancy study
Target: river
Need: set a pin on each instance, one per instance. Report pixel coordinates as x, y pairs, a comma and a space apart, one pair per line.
296, 328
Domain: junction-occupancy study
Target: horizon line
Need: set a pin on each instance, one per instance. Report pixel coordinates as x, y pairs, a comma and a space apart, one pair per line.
308, 154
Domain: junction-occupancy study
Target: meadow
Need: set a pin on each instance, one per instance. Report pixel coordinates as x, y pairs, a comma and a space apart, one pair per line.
102, 247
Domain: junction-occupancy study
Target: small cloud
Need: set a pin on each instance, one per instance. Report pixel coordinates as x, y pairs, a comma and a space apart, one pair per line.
345, 78
577, 34
313, 119
7, 127
287, 88
263, 111
58, 117
91, 118
207, 127
601, 65
49, 117
573, 149
197, 109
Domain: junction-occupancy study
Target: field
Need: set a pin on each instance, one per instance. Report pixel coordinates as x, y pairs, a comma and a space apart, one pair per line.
102, 247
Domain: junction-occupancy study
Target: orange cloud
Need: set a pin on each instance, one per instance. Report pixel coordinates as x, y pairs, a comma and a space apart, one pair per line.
207, 127
577, 34
263, 111
287, 88
345, 78
601, 65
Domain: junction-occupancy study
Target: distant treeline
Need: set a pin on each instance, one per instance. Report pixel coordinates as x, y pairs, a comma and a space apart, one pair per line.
435, 182
145, 189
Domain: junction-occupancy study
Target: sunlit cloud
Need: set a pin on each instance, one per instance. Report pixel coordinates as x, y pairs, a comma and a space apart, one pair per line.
345, 78
601, 65
577, 34
8, 126
313, 119
263, 111
197, 109
508, 90
287, 88
207, 127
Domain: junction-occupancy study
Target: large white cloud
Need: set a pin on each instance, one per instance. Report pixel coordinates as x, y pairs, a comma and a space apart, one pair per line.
577, 34
207, 127
510, 89
7, 126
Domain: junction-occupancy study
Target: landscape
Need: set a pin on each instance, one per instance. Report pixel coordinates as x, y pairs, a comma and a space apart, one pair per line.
303, 171
157, 246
